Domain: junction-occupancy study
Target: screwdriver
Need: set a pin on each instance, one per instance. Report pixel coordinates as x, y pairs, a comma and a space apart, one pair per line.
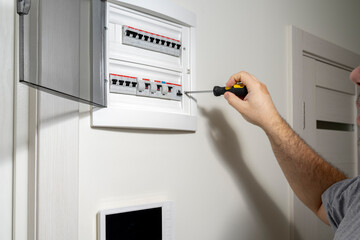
238, 89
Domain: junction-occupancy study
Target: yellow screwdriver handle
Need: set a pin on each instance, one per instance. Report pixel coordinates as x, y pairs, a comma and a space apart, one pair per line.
239, 90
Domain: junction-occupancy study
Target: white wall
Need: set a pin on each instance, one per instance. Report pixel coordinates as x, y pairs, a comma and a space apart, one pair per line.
223, 179
6, 115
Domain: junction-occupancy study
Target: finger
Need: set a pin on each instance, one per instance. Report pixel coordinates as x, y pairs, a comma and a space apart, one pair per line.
235, 101
231, 82
246, 78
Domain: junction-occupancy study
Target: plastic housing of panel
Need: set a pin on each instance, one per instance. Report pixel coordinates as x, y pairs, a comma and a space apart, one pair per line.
158, 75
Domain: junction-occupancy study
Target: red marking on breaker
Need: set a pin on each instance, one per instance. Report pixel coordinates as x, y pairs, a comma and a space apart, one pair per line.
113, 74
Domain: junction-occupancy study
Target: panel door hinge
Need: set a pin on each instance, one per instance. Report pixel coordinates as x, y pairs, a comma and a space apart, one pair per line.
23, 7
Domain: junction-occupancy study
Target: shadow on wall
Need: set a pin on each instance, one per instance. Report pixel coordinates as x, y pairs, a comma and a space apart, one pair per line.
268, 215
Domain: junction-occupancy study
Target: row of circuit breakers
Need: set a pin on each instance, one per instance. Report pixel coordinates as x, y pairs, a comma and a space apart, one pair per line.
143, 86
151, 41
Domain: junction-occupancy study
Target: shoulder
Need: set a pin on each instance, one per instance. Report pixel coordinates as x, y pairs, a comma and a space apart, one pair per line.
339, 198
344, 188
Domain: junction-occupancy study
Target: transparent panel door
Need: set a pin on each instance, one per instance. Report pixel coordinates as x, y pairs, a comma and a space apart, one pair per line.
62, 48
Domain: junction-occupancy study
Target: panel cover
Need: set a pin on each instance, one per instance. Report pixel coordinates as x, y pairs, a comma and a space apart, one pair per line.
62, 49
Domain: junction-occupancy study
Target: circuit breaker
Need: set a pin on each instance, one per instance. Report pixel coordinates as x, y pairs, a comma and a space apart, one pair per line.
150, 63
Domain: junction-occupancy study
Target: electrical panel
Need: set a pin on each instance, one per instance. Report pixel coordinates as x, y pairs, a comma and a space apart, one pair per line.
150, 63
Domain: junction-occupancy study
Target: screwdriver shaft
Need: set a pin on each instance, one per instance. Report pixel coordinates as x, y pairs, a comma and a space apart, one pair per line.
204, 91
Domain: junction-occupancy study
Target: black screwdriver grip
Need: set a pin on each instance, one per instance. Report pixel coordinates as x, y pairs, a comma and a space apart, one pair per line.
240, 92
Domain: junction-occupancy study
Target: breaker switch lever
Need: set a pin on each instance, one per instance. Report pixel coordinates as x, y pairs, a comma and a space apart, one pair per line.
153, 87
164, 90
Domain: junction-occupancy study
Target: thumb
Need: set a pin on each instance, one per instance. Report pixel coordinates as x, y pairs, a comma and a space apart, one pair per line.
235, 101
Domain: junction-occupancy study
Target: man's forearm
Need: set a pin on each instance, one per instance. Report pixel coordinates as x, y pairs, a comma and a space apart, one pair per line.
307, 173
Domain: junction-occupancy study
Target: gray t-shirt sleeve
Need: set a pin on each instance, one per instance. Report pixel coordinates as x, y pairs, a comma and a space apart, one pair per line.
341, 202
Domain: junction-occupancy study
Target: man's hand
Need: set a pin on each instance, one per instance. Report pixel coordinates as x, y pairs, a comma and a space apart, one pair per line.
257, 107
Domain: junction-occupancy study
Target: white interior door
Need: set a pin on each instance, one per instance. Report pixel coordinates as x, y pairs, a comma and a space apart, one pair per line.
330, 113
329, 127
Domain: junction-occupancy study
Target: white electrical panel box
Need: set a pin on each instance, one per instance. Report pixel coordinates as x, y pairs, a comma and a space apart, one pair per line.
150, 63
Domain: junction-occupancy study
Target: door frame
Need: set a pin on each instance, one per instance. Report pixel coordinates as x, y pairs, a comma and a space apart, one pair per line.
301, 44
